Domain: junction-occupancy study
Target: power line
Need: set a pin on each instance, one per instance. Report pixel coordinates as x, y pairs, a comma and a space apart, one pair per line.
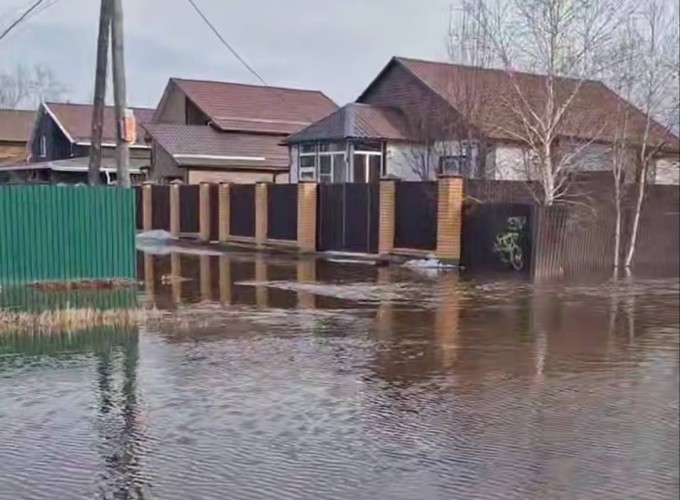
226, 44
278, 93
36, 8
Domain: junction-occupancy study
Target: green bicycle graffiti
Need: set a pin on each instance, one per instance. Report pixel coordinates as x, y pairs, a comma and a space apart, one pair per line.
507, 244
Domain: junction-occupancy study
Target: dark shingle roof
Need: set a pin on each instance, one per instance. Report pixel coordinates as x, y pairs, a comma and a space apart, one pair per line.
76, 119
492, 98
204, 140
238, 107
356, 121
16, 125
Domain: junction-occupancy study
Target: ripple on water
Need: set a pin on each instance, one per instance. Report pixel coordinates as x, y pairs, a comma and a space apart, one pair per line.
557, 394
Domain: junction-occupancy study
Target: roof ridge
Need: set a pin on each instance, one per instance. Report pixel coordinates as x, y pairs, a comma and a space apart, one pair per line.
81, 104
406, 60
13, 110
252, 85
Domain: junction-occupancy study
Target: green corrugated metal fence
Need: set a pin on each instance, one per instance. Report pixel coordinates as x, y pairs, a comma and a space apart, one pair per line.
50, 232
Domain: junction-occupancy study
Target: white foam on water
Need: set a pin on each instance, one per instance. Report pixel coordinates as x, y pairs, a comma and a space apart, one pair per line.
429, 263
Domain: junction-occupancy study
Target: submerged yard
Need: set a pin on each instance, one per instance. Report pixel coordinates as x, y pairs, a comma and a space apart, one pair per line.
254, 377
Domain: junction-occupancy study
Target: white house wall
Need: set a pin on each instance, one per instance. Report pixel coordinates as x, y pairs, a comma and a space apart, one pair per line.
294, 170
403, 161
667, 171
589, 157
509, 163
410, 162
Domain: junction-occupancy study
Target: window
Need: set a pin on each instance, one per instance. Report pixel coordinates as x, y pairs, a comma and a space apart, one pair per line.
367, 166
454, 164
307, 161
43, 146
325, 168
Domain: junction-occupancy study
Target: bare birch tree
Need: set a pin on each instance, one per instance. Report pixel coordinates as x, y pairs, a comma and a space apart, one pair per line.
655, 46
567, 41
622, 81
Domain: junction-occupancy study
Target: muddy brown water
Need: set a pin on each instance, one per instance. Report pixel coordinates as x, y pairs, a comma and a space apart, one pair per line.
278, 378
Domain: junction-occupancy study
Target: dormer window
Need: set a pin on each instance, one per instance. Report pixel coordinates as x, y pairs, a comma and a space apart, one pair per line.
43, 146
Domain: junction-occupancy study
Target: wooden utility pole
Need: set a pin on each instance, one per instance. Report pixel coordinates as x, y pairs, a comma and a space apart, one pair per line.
123, 116
99, 92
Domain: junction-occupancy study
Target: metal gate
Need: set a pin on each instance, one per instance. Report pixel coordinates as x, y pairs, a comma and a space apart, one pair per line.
348, 217
497, 237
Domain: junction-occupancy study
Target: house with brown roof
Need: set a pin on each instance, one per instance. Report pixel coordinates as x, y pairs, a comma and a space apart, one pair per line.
15, 130
418, 119
58, 146
228, 132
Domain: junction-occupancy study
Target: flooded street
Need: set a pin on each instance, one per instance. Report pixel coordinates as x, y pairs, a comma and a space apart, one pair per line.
282, 378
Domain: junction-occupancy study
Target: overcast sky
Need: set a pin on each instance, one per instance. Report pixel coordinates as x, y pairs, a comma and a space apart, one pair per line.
337, 46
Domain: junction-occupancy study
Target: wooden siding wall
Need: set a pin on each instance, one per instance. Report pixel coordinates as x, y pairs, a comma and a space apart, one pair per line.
431, 115
58, 146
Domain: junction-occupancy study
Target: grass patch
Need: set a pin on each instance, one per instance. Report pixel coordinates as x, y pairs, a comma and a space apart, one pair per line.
69, 320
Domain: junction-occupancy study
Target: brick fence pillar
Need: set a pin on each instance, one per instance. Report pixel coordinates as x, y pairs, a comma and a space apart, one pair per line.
204, 212
261, 213
174, 208
205, 277
225, 279
224, 210
306, 216
388, 188
449, 218
306, 275
147, 207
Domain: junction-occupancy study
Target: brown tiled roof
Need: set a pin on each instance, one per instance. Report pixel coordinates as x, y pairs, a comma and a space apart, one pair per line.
76, 119
252, 108
204, 140
490, 99
356, 121
16, 125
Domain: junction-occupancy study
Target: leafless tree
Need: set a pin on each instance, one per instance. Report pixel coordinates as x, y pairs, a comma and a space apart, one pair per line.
654, 43
451, 134
622, 81
567, 41
26, 87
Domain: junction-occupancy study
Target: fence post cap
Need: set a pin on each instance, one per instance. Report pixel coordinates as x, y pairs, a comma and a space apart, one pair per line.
449, 176
148, 183
307, 181
176, 182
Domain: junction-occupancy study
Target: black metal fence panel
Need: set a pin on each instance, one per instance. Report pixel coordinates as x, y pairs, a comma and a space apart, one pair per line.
282, 208
189, 208
139, 208
415, 215
659, 238
492, 191
348, 217
330, 219
160, 210
214, 209
497, 237
242, 211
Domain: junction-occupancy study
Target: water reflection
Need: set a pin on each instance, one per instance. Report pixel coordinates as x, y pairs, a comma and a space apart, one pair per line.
278, 377
74, 445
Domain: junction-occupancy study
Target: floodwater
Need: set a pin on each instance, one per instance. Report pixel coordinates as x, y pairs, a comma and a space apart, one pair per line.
270, 377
